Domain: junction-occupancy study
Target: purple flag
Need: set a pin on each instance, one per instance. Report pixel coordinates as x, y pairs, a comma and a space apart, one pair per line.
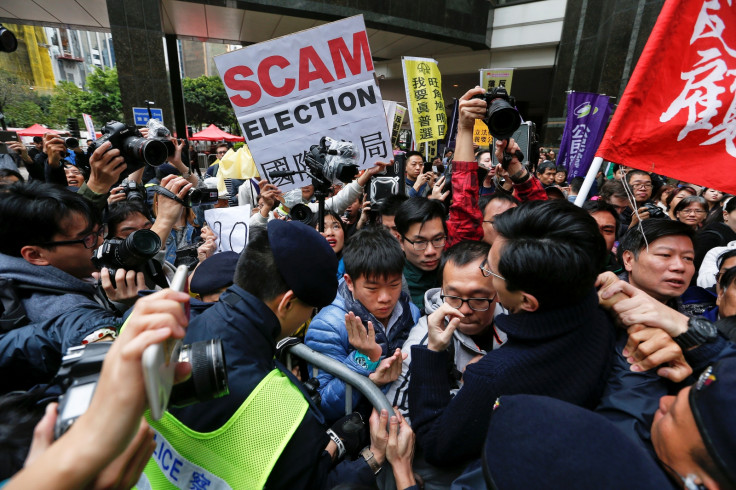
587, 117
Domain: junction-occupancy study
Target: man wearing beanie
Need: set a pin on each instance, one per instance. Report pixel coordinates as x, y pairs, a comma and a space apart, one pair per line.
267, 431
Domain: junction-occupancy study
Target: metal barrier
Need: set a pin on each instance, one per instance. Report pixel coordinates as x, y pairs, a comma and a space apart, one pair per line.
352, 379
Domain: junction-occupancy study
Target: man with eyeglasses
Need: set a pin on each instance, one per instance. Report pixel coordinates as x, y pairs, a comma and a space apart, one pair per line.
220, 151
543, 266
466, 290
421, 225
639, 184
49, 234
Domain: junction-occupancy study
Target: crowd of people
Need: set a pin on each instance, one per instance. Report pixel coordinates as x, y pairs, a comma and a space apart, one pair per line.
524, 342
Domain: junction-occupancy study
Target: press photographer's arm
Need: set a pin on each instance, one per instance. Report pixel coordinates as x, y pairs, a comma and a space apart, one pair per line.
109, 434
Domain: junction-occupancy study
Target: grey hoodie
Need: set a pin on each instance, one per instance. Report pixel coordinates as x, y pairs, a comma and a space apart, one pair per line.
465, 350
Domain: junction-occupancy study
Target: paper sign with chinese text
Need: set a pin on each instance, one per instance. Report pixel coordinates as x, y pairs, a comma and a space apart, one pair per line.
497, 77
678, 112
289, 92
423, 84
481, 135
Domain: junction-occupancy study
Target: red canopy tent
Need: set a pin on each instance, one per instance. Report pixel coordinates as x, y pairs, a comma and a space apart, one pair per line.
36, 130
213, 133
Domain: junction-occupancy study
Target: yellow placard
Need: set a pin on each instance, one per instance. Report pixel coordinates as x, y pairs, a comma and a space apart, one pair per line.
489, 79
481, 135
423, 84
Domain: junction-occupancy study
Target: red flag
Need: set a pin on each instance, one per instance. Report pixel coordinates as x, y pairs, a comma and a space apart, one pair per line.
677, 116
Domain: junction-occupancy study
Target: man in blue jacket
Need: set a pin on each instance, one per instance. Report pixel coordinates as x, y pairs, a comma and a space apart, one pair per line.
369, 320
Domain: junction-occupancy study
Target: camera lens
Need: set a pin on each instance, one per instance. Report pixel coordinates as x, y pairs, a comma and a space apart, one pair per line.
139, 247
71, 143
503, 120
194, 196
301, 212
152, 152
209, 374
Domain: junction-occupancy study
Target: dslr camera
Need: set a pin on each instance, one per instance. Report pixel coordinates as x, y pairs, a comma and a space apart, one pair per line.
81, 366
132, 191
134, 148
654, 211
130, 253
332, 161
501, 117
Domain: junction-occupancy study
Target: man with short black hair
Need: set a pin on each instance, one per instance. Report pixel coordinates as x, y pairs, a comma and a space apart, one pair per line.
605, 215
423, 230
575, 185
491, 206
49, 234
546, 172
369, 319
418, 182
659, 259
554, 326
639, 185
220, 150
387, 209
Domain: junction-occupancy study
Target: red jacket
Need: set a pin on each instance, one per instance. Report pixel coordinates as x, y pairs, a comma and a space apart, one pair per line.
466, 220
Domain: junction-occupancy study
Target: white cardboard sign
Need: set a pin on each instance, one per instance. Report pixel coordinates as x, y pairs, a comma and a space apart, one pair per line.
289, 92
230, 225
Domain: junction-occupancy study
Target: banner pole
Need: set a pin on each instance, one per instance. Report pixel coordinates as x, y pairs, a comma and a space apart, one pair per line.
588, 182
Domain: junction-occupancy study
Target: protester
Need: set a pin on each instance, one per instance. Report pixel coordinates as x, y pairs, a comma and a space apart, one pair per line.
676, 196
691, 211
716, 234
553, 318
368, 321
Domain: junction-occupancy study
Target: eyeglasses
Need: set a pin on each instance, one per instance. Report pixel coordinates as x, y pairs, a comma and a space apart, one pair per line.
641, 185
475, 304
221, 152
488, 272
691, 211
420, 245
89, 240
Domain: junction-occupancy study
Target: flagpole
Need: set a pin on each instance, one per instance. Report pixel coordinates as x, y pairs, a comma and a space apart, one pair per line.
588, 182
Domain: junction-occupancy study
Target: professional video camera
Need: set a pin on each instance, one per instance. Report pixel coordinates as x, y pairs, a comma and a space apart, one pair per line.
133, 253
81, 366
201, 195
328, 163
134, 148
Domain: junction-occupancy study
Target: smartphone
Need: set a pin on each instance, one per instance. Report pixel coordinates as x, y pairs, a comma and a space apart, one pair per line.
159, 360
9, 137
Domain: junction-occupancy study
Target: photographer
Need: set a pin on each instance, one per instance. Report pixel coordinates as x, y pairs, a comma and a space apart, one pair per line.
108, 446
338, 203
49, 235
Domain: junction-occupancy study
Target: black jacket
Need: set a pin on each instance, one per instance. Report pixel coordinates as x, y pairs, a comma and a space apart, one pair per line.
249, 329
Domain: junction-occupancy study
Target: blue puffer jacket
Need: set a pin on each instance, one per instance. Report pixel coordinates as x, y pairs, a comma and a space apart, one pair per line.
327, 334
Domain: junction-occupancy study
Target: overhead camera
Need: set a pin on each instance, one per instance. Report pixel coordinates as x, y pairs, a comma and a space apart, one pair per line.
81, 366
501, 117
135, 149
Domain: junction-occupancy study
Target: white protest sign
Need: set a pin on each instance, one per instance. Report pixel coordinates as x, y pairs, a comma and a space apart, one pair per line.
230, 225
289, 92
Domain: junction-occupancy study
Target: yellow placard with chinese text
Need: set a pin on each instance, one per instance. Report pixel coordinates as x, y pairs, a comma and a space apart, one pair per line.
481, 135
423, 84
489, 79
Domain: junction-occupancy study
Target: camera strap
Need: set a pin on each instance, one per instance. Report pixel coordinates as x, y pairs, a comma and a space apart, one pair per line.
167, 193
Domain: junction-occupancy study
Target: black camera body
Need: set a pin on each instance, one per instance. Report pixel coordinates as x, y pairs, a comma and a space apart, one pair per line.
81, 366
501, 117
201, 195
130, 253
654, 211
134, 148
77, 376
332, 161
131, 191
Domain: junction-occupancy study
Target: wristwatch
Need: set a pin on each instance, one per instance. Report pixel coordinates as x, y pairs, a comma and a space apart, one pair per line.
699, 331
365, 362
367, 454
